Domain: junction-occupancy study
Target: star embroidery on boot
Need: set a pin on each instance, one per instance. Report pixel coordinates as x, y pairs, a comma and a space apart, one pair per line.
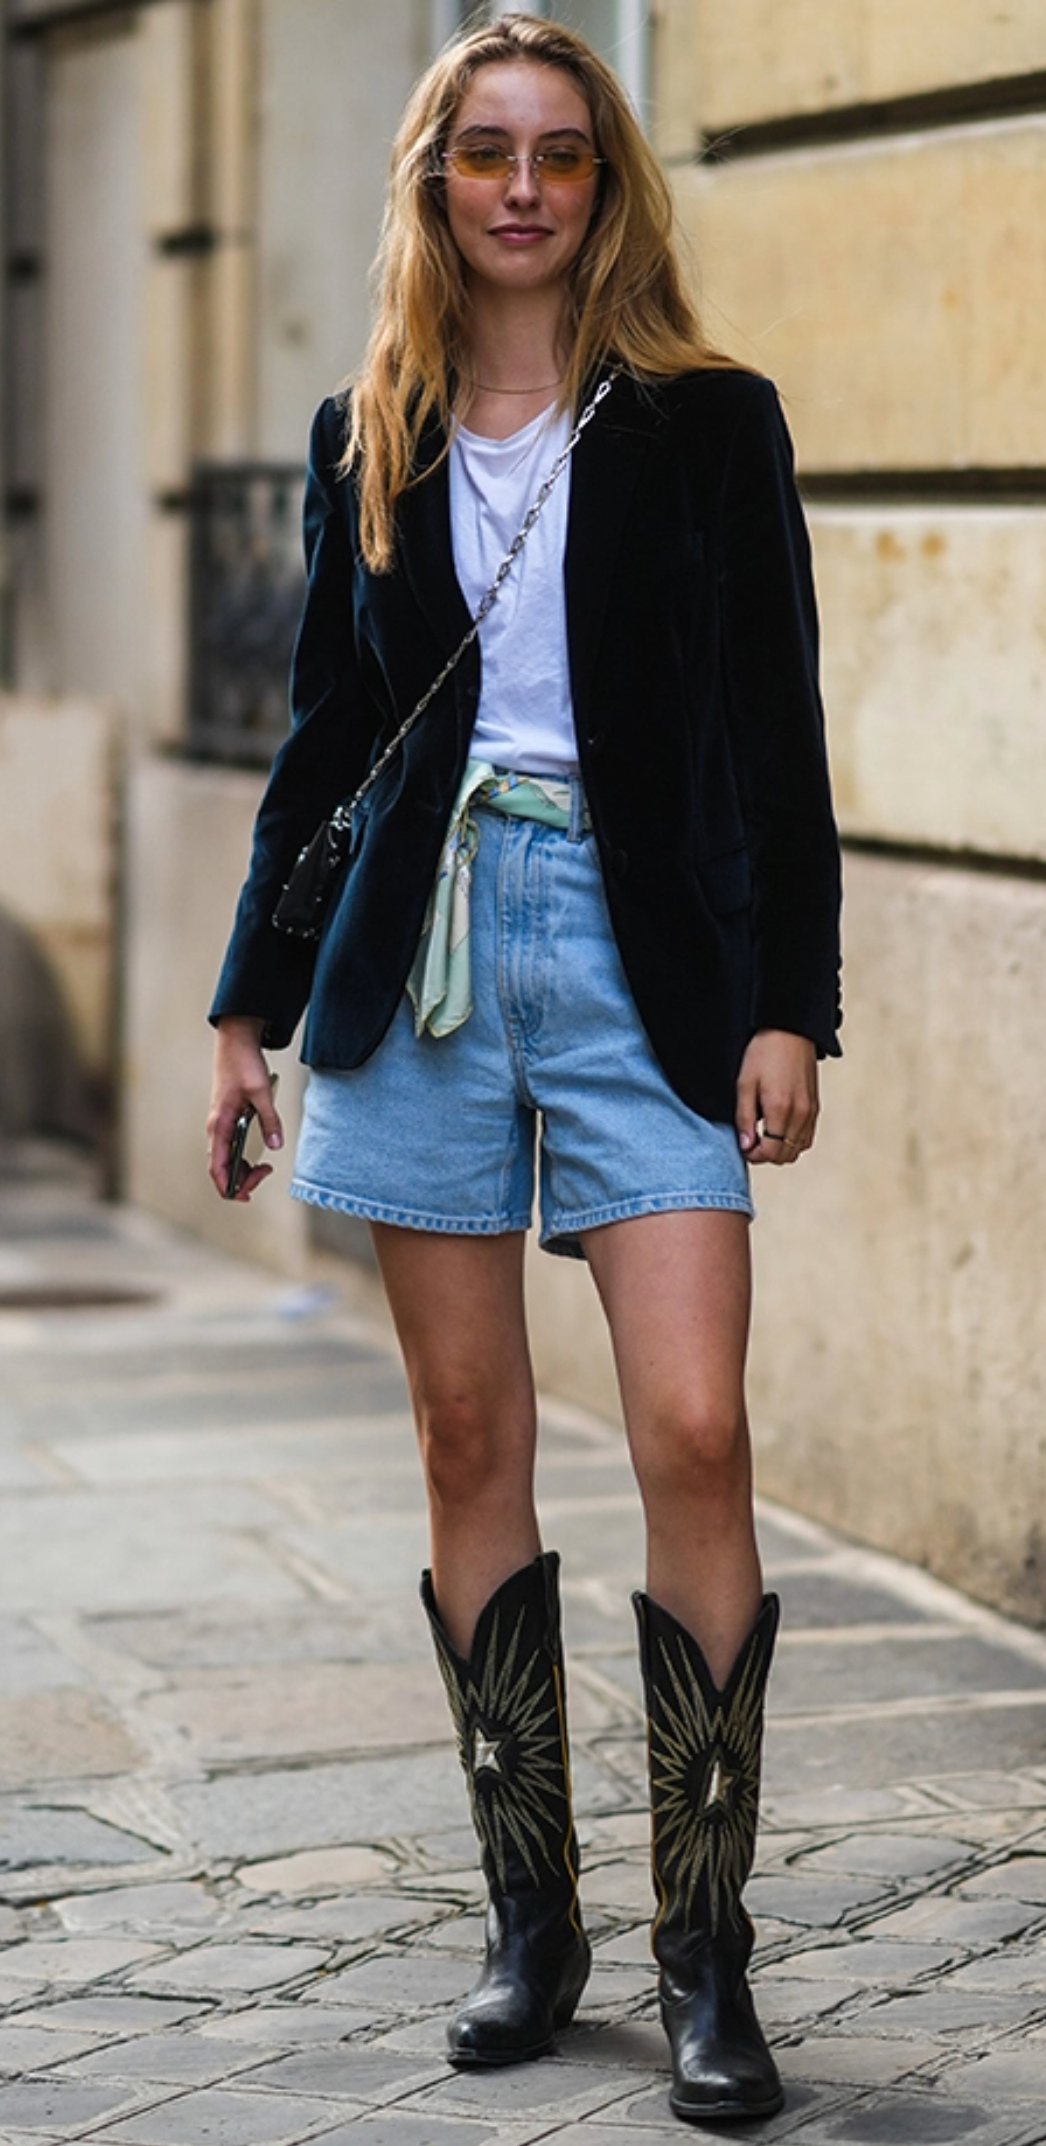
720, 1783
486, 1752
704, 1752
520, 1688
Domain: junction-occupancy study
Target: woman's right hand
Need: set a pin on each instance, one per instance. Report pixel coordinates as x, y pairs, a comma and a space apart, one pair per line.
241, 1076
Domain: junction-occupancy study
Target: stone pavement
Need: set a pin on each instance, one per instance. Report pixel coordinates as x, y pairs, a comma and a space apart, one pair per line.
238, 1886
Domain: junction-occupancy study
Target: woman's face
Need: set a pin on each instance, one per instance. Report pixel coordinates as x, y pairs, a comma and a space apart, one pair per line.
520, 232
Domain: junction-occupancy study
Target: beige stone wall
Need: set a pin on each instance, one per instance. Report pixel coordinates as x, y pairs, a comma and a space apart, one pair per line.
895, 290
935, 673
894, 284
899, 1361
332, 84
188, 839
58, 852
722, 64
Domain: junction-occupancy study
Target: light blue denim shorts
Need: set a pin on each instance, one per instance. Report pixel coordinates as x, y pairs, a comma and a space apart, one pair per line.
440, 1133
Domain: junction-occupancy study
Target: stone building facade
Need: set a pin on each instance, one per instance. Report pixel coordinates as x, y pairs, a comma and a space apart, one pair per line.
869, 223
192, 196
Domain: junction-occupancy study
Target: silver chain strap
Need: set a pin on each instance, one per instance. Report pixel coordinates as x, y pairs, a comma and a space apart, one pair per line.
341, 818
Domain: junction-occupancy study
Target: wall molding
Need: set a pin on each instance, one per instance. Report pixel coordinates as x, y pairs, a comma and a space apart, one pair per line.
34, 18
1001, 97
968, 486
936, 856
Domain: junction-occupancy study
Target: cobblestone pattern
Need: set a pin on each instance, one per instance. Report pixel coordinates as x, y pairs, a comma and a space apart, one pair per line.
238, 1888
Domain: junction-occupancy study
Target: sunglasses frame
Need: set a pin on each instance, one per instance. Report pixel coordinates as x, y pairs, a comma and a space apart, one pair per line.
513, 160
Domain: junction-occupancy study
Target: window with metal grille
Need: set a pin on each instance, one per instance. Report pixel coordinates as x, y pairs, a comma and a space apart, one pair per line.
246, 588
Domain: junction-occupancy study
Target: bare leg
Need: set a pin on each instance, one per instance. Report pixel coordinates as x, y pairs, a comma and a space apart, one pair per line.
458, 1307
676, 1289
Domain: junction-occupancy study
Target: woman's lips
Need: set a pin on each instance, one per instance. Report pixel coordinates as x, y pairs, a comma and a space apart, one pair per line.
519, 234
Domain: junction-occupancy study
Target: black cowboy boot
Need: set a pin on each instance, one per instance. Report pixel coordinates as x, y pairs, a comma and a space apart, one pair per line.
705, 1749
509, 1713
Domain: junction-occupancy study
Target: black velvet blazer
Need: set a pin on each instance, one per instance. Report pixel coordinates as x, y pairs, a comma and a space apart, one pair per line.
692, 639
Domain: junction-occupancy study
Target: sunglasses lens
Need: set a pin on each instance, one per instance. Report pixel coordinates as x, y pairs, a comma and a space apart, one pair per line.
566, 165
481, 161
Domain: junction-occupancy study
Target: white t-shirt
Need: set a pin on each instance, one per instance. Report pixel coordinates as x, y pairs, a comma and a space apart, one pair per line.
525, 718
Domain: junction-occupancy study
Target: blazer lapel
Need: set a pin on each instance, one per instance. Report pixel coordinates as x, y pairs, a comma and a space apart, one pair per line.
425, 544
607, 462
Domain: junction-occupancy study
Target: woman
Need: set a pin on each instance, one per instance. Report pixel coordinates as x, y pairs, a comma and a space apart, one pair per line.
628, 776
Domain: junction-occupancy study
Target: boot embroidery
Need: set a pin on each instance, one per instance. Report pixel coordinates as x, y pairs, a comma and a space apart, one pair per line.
508, 1733
719, 1784
705, 1766
486, 1752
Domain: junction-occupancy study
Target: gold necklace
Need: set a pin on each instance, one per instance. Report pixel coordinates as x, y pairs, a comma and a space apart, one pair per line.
543, 388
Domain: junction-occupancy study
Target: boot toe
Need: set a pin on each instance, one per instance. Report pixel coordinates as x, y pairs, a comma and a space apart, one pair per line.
499, 2026
721, 2066
717, 2101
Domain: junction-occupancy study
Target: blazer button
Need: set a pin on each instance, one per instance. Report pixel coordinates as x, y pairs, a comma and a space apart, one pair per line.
619, 863
596, 740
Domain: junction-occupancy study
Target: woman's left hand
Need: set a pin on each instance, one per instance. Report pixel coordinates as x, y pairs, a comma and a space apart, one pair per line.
777, 1102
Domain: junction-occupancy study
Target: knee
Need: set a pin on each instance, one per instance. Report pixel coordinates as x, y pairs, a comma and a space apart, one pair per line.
462, 1449
697, 1451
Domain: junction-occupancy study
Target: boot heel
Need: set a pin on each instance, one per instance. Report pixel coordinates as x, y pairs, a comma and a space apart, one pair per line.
571, 1997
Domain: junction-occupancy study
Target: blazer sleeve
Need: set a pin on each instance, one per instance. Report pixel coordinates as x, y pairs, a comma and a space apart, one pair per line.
771, 670
265, 972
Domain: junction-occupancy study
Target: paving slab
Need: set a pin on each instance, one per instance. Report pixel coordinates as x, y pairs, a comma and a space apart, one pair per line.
219, 1967
375, 2076
309, 1631
30, 2048
29, 1663
255, 1814
406, 2129
857, 2060
318, 1707
1002, 2075
287, 2026
176, 1905
59, 1735
55, 1960
241, 1886
978, 1924
1022, 1877
926, 2118
945, 2010
34, 1836
529, 2091
60, 2104
896, 1856
111, 2014
230, 2117
69, 1549
166, 2059
807, 2106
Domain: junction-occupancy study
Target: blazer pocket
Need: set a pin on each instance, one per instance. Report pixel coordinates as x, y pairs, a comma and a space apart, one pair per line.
726, 881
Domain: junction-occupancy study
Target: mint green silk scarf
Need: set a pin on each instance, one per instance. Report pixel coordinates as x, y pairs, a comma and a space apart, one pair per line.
440, 981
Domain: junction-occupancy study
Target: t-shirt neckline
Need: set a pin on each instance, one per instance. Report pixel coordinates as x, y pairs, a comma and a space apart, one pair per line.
511, 439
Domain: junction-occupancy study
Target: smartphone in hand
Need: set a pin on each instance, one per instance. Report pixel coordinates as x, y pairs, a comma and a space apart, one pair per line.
247, 1147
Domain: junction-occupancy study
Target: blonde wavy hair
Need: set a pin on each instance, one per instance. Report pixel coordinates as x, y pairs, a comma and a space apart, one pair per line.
627, 294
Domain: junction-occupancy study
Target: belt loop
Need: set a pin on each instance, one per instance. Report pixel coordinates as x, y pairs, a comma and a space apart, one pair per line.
579, 819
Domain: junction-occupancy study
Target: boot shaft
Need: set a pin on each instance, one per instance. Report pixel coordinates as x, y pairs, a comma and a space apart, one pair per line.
705, 1753
508, 1706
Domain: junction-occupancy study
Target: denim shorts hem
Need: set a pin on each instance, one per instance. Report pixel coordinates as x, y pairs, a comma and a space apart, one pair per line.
561, 1231
347, 1203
